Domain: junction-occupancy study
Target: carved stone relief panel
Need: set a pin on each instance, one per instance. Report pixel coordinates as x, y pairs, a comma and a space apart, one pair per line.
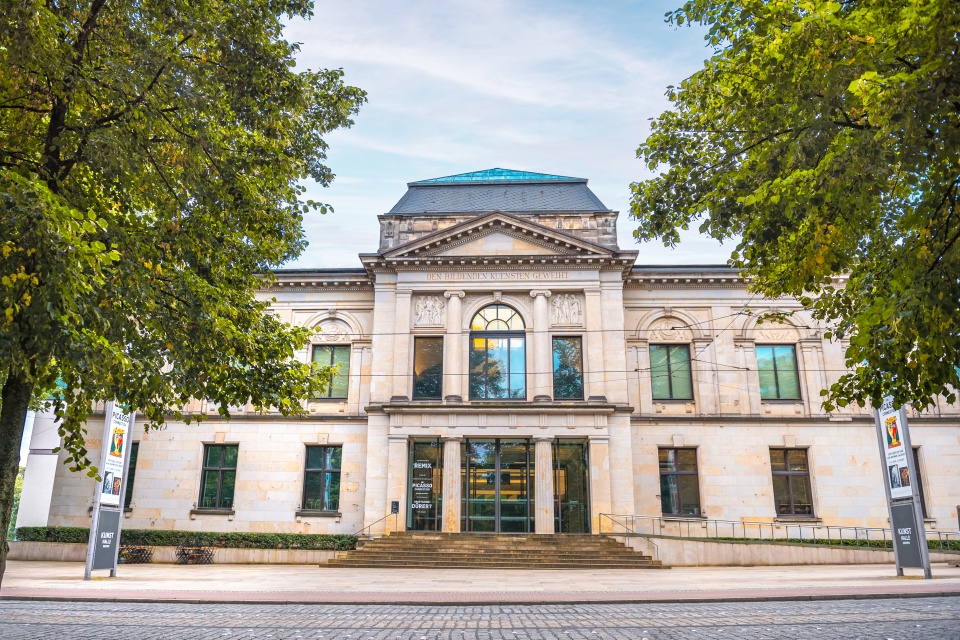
566, 309
332, 331
669, 330
775, 332
428, 311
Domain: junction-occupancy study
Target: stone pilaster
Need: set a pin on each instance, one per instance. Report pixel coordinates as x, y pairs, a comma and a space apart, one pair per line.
543, 468
540, 347
402, 371
600, 497
453, 370
451, 484
398, 461
593, 325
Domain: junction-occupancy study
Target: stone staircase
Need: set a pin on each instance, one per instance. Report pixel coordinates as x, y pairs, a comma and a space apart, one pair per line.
428, 550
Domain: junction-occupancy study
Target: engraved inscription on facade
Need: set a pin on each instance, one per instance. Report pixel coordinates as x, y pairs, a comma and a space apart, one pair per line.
567, 309
498, 275
429, 311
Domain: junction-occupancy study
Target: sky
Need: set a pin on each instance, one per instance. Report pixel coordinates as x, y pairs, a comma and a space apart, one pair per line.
557, 87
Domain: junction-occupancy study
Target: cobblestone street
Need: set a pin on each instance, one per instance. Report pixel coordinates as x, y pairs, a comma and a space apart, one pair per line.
899, 619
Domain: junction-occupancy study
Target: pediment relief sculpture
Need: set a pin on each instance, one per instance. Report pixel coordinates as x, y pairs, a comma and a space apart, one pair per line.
669, 330
428, 311
566, 309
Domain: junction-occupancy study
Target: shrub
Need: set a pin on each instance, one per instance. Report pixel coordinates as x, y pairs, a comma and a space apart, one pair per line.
162, 538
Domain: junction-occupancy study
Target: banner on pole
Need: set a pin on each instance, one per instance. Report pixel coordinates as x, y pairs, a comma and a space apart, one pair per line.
116, 441
895, 451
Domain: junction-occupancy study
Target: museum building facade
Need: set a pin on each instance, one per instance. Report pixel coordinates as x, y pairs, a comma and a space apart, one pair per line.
504, 366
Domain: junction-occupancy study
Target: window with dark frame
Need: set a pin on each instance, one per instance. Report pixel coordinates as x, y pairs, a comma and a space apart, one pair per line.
679, 483
321, 478
427, 368
670, 374
778, 372
219, 477
567, 368
791, 482
916, 468
326, 355
131, 472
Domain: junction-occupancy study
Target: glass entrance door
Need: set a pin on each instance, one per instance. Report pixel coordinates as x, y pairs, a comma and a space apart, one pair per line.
497, 486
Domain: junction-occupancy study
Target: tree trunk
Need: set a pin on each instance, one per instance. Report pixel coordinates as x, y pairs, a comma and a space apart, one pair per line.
15, 400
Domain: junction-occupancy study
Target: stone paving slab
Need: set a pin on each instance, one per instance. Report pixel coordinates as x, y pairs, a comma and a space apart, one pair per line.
292, 584
927, 619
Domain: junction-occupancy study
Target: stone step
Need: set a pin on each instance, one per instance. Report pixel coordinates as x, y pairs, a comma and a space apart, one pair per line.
494, 551
572, 557
400, 564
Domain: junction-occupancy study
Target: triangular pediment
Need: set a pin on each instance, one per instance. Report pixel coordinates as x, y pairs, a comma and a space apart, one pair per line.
498, 234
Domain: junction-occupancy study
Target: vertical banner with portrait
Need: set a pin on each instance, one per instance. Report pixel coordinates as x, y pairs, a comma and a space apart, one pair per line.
116, 441
895, 451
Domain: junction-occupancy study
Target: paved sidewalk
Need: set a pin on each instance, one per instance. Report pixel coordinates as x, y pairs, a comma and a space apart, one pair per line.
294, 584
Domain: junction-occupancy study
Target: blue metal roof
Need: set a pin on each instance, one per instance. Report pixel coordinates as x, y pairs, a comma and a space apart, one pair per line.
496, 176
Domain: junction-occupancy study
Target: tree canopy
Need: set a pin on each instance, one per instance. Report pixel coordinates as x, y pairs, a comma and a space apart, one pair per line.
824, 139
152, 165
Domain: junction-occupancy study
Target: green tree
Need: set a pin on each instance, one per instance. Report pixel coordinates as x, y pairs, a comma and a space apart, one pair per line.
823, 137
152, 159
17, 490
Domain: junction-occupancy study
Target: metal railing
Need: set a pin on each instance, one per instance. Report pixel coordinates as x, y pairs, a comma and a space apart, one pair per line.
732, 530
366, 530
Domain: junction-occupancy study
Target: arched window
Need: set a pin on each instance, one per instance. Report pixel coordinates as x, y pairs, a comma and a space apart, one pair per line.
498, 357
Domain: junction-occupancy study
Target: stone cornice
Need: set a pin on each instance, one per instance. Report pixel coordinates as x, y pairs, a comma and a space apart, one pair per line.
551, 408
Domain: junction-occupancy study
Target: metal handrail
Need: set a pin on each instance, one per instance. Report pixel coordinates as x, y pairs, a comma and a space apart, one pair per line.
700, 528
361, 533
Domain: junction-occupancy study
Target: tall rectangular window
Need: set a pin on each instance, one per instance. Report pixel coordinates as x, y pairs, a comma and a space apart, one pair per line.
131, 472
427, 368
777, 368
219, 476
679, 486
919, 480
567, 369
325, 355
670, 372
321, 481
791, 482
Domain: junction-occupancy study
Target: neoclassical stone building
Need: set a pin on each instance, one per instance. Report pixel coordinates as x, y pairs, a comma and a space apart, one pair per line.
506, 366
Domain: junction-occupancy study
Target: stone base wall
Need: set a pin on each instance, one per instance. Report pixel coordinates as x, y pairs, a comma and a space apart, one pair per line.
74, 552
675, 552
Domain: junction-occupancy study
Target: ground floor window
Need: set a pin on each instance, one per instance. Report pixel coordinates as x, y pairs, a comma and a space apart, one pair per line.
679, 482
131, 472
919, 480
219, 476
791, 482
321, 482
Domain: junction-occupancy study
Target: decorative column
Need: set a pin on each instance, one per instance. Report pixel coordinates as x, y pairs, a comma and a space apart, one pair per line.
402, 371
543, 468
453, 370
451, 484
540, 348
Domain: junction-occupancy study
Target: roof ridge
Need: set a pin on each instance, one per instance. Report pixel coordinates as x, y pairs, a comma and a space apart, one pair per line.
497, 175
